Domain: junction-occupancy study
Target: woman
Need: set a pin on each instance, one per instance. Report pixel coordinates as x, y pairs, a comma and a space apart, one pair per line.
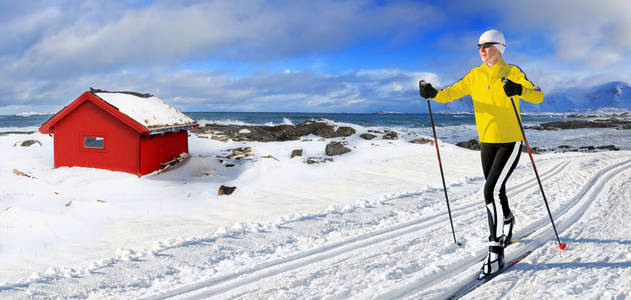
498, 130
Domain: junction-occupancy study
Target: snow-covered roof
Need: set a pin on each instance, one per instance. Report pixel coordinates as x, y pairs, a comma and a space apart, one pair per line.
150, 111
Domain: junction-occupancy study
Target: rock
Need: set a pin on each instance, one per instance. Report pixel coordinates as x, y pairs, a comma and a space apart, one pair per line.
220, 138
297, 152
345, 131
28, 143
471, 144
335, 148
536, 150
242, 150
20, 173
576, 124
239, 153
16, 132
588, 148
270, 156
317, 160
226, 190
326, 132
390, 135
422, 141
367, 136
565, 147
609, 147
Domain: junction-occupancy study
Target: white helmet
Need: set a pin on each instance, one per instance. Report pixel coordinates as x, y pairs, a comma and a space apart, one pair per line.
494, 36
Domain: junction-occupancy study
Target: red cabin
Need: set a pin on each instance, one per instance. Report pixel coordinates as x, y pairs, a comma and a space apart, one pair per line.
118, 131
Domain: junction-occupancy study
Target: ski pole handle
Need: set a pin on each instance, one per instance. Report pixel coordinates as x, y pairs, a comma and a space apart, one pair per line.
420, 87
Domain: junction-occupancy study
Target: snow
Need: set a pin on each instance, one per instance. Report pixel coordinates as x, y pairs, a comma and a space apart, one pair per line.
30, 113
600, 112
203, 122
151, 112
372, 224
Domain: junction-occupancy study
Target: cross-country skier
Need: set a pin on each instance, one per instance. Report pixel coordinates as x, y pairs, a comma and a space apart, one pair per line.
498, 130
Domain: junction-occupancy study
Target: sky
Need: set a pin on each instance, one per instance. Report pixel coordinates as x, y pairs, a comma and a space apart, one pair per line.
295, 56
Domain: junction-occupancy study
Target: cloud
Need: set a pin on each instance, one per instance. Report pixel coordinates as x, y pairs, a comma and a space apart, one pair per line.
175, 32
18, 34
594, 33
559, 44
195, 90
52, 53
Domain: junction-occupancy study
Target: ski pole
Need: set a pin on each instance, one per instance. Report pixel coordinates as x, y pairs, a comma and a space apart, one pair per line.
532, 160
440, 165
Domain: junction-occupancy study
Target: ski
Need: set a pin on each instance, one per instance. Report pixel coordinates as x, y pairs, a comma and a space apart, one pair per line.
512, 241
482, 279
477, 282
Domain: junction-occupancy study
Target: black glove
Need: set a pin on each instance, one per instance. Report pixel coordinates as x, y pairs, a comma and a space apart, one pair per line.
426, 90
511, 88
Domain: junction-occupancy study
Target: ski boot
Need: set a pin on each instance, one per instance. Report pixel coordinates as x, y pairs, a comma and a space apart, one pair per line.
507, 230
495, 259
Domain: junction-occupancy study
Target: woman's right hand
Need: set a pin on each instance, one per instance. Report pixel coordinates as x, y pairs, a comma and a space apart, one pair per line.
427, 90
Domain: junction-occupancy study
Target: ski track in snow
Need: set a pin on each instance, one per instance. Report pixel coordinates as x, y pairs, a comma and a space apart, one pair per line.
217, 286
597, 263
570, 214
398, 247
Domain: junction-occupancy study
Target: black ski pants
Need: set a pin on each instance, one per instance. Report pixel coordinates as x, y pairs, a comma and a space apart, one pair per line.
498, 162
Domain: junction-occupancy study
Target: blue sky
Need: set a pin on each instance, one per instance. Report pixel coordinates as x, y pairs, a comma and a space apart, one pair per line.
307, 56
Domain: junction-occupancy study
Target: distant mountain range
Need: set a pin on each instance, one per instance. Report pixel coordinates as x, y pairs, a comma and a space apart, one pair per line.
612, 94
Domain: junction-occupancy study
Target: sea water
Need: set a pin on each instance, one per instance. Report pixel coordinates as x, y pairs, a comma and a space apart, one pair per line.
450, 127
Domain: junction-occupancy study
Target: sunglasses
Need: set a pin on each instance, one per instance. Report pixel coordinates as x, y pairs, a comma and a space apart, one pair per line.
487, 45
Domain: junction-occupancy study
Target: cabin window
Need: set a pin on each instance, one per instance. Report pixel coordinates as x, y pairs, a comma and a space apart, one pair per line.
94, 142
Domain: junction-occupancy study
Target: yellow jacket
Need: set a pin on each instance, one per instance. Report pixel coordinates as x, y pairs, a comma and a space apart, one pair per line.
494, 114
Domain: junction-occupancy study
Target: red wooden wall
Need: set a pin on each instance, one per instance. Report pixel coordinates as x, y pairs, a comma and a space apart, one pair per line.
159, 148
121, 142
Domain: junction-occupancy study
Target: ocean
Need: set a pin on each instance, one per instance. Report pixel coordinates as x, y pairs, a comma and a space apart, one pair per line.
451, 127
366, 120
